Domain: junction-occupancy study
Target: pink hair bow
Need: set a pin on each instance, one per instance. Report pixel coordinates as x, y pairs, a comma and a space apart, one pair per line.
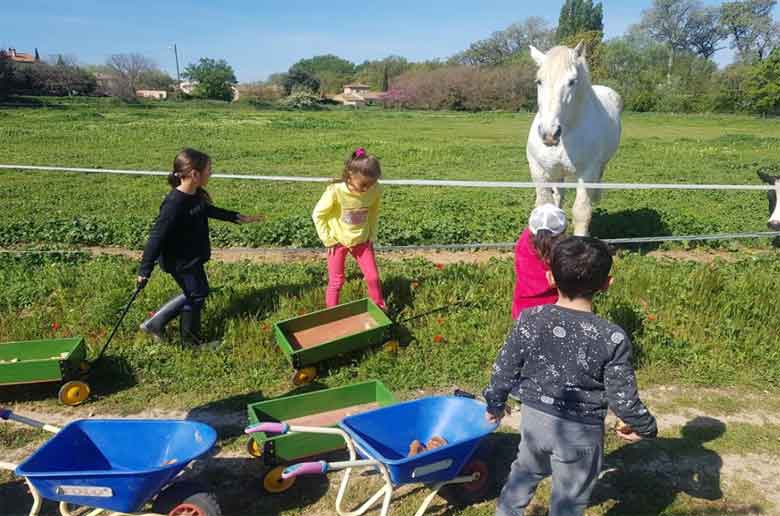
360, 152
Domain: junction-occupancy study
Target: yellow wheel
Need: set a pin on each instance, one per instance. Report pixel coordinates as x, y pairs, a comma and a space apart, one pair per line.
304, 376
74, 392
391, 346
274, 483
84, 366
254, 449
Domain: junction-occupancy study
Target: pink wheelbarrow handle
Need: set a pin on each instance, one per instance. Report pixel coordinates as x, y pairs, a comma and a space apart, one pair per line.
268, 428
305, 468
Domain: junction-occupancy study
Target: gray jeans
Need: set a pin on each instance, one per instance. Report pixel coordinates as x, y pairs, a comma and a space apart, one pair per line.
571, 452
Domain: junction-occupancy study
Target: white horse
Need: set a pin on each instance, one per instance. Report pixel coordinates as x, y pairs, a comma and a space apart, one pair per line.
576, 130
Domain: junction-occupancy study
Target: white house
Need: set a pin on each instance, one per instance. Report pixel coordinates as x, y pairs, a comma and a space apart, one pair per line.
358, 95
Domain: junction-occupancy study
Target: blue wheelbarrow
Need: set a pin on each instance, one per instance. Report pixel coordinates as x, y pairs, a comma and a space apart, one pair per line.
118, 465
379, 439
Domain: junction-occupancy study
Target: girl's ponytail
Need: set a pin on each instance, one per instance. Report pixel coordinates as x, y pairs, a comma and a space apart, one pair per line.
185, 162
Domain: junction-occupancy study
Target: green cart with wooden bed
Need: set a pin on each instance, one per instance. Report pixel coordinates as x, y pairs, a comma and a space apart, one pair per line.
315, 337
47, 361
323, 408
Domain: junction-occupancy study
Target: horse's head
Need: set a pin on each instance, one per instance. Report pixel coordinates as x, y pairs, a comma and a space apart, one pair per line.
774, 207
561, 79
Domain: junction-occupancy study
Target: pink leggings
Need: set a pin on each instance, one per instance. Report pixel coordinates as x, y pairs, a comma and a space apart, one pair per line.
364, 255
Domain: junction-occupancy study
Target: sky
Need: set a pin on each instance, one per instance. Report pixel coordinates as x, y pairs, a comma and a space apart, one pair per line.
260, 37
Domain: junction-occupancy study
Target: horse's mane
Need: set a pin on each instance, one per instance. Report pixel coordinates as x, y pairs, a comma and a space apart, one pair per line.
560, 60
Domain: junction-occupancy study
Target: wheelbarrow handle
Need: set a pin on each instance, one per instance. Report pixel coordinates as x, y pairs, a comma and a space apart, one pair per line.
305, 468
7, 414
268, 428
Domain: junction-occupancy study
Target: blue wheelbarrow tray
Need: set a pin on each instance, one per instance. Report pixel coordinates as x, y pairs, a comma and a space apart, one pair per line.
115, 464
385, 434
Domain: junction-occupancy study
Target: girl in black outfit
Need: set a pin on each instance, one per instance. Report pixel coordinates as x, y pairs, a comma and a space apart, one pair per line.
179, 242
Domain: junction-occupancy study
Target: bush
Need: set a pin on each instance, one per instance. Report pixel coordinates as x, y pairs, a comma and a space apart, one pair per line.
466, 88
301, 99
762, 86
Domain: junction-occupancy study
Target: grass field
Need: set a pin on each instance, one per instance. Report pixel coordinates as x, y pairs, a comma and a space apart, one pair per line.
108, 210
694, 325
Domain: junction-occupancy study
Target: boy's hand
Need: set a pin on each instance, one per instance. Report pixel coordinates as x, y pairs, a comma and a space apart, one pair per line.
626, 433
248, 219
490, 418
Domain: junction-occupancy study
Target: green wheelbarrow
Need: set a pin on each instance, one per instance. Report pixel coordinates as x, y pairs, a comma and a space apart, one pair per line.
54, 360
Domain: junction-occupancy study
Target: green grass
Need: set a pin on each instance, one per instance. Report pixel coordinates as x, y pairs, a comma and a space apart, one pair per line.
692, 324
61, 208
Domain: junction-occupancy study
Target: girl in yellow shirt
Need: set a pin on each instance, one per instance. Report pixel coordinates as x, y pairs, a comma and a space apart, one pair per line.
346, 217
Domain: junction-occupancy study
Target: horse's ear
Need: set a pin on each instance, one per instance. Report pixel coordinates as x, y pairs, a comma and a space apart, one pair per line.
579, 50
537, 55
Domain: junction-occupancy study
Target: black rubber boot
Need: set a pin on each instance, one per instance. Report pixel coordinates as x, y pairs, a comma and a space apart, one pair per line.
155, 325
189, 327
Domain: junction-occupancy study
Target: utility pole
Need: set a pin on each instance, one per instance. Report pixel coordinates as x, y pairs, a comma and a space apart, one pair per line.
178, 77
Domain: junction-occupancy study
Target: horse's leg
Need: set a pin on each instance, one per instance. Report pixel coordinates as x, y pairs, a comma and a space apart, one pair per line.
544, 194
582, 211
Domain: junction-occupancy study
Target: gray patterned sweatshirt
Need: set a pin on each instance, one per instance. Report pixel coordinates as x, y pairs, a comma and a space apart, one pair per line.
571, 364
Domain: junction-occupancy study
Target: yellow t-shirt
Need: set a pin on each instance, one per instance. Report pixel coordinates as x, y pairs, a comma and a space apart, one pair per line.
347, 218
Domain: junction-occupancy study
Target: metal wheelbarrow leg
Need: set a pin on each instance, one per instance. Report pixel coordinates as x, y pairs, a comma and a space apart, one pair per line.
321, 467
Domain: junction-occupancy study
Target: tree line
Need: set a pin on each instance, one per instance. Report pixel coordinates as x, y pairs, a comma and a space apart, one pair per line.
662, 63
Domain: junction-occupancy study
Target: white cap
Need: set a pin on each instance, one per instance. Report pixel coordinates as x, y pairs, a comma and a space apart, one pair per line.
549, 217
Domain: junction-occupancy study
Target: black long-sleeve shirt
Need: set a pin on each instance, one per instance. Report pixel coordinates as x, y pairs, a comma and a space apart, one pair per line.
180, 235
570, 364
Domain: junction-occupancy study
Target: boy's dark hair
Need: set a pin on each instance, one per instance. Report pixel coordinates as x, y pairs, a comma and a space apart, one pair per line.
580, 266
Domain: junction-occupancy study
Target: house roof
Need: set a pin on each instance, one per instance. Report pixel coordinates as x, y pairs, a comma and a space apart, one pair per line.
18, 57
357, 85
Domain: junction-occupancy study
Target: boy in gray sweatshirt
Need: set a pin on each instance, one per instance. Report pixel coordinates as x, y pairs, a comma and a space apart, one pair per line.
566, 365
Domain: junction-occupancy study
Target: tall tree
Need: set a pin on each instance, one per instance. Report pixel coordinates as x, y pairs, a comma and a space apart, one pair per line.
579, 16
504, 45
762, 88
670, 22
128, 68
750, 26
331, 71
706, 32
215, 78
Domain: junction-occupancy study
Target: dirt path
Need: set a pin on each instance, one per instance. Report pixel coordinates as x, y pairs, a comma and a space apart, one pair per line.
282, 255
761, 471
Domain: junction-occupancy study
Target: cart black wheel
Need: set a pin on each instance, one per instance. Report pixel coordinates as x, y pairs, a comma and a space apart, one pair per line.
186, 499
254, 448
273, 482
470, 492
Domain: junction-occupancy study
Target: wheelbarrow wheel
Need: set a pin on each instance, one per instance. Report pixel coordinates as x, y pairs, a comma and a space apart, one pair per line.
471, 492
304, 376
253, 448
186, 499
74, 392
391, 346
273, 482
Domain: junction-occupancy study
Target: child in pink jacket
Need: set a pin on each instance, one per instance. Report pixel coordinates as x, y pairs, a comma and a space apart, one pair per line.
546, 225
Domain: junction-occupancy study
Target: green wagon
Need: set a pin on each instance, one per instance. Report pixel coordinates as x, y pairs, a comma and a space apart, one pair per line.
49, 360
324, 408
54, 360
318, 336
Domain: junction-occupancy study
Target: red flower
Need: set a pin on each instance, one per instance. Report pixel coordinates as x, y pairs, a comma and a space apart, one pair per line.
438, 338
264, 327
440, 320
414, 285
651, 317
439, 266
55, 326
151, 314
